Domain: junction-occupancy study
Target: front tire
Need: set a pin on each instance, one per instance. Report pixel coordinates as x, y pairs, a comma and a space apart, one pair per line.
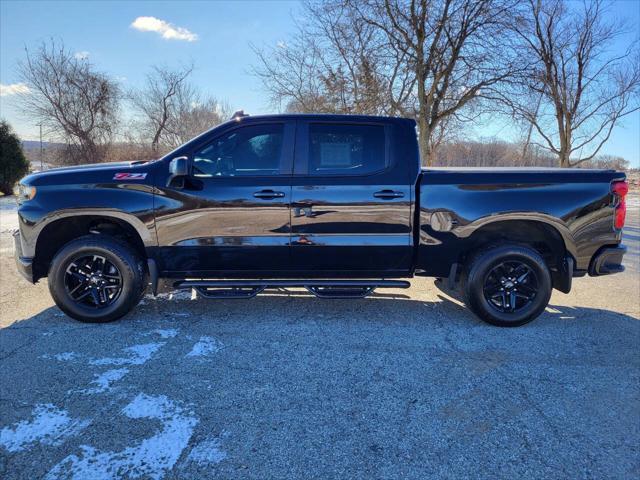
96, 279
508, 285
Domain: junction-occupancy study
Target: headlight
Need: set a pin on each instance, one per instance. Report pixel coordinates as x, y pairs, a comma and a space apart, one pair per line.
25, 192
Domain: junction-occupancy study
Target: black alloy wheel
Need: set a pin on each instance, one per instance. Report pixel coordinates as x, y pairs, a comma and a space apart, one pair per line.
97, 278
507, 285
93, 280
510, 286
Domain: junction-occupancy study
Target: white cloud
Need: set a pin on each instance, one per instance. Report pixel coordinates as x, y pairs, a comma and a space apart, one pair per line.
83, 55
12, 89
165, 29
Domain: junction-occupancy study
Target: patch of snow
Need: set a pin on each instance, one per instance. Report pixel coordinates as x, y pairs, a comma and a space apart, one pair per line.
103, 381
181, 295
152, 458
8, 214
205, 346
137, 355
177, 295
165, 333
49, 425
62, 357
207, 452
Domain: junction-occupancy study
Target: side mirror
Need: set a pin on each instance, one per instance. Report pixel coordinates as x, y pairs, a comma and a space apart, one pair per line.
179, 168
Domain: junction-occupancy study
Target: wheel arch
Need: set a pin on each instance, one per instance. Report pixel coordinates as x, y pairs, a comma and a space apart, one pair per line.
56, 233
524, 231
552, 243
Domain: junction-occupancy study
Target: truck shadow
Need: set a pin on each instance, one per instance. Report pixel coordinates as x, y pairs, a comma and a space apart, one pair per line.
299, 307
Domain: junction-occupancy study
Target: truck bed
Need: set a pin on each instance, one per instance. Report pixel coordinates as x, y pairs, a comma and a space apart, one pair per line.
461, 206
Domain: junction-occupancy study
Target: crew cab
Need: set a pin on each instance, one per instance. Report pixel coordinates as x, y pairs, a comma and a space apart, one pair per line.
334, 203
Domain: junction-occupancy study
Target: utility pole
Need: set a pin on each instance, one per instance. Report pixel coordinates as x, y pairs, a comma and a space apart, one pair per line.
41, 150
526, 144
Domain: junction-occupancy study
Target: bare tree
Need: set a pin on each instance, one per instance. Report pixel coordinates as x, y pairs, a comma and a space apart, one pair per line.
607, 161
73, 101
195, 114
329, 66
456, 52
171, 110
576, 91
491, 152
433, 60
157, 101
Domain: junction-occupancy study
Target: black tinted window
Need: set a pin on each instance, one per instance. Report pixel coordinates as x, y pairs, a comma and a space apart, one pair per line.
251, 150
346, 149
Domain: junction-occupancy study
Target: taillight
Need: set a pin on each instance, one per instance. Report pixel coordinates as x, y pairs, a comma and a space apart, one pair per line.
620, 189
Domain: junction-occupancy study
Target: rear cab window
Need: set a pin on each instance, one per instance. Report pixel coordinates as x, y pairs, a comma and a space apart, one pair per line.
346, 149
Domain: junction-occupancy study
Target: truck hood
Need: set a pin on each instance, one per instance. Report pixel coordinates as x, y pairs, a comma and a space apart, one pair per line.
106, 169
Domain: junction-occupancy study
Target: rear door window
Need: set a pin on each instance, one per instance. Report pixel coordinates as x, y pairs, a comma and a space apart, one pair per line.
344, 149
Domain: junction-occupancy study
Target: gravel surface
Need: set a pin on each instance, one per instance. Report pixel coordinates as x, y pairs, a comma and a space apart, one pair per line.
405, 384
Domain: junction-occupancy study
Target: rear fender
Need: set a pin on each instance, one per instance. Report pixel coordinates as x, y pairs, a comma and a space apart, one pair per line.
558, 225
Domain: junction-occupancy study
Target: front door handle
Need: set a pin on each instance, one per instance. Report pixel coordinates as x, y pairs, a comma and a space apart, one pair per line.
388, 194
268, 194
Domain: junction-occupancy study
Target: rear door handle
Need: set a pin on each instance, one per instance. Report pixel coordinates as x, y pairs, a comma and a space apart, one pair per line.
268, 194
388, 194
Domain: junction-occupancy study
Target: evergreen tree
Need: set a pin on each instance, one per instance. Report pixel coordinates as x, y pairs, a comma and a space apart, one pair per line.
13, 164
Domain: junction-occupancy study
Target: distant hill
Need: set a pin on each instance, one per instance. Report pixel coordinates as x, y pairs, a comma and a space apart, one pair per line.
31, 150
35, 145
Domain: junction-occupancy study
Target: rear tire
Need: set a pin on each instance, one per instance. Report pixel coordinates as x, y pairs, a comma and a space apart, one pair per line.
97, 278
508, 285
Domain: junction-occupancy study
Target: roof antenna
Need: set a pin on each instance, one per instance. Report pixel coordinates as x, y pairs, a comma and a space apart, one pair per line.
238, 115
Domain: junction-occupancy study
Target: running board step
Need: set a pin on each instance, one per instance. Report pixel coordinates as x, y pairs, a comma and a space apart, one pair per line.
226, 289
228, 292
341, 292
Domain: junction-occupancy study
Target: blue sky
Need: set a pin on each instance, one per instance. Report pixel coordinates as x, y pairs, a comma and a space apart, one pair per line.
221, 51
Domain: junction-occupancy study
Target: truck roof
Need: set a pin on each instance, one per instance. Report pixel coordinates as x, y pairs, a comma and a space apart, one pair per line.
332, 117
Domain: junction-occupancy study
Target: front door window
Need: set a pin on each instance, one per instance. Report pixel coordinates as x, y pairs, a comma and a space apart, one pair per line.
254, 150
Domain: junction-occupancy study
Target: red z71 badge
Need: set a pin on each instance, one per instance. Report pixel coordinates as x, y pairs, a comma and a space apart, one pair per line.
130, 176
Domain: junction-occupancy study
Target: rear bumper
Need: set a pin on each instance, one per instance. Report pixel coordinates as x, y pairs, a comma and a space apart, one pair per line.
24, 264
608, 260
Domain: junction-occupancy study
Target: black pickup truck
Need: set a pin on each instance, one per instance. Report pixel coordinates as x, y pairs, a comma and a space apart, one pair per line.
336, 204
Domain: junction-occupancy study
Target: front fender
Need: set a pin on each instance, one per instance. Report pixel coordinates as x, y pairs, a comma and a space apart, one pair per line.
132, 204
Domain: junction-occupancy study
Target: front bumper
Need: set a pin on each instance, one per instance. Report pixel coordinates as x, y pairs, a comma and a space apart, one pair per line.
608, 260
24, 264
